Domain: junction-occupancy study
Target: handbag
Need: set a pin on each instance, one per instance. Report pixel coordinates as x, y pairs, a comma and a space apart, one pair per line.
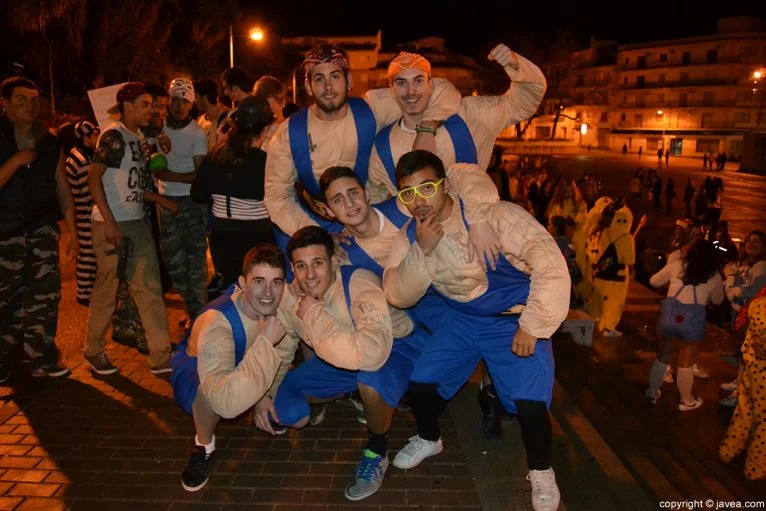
683, 320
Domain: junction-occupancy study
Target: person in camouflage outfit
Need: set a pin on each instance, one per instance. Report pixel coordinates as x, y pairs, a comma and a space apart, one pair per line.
32, 186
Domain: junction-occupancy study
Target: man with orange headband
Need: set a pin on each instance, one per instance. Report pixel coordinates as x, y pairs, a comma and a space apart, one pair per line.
336, 130
467, 137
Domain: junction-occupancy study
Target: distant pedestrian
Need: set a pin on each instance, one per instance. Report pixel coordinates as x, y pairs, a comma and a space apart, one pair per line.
635, 187
724, 157
670, 193
704, 161
624, 149
659, 157
688, 196
667, 157
640, 151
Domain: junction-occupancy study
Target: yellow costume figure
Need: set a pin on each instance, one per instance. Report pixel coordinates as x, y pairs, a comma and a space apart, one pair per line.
581, 238
612, 272
748, 425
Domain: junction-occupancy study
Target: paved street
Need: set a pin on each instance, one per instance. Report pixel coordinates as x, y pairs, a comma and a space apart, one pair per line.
744, 203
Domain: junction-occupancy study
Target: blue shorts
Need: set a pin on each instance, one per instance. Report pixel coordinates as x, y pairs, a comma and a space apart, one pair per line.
462, 341
316, 378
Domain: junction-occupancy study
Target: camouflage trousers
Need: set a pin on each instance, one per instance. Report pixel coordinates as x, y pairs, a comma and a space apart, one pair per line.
183, 243
30, 290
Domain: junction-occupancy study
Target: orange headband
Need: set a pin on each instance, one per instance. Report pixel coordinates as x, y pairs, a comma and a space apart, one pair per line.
408, 61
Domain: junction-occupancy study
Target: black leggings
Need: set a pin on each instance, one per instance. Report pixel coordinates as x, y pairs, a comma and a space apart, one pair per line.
230, 240
536, 431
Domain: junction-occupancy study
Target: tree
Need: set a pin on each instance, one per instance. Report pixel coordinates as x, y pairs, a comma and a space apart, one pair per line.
42, 16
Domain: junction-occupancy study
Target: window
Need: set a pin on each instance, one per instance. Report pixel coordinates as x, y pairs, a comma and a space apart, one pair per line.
663, 78
742, 117
684, 78
663, 57
683, 100
638, 120
747, 52
707, 120
623, 117
604, 117
641, 101
712, 56
640, 81
625, 80
708, 98
707, 145
580, 80
542, 132
641, 62
762, 118
660, 99
627, 60
686, 58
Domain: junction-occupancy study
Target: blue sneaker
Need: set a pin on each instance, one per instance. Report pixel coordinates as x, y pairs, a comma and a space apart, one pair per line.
369, 476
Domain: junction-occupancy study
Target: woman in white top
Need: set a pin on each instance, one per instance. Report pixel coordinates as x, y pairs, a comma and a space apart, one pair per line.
694, 281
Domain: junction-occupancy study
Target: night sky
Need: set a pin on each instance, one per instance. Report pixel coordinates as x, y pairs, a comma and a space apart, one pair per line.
468, 25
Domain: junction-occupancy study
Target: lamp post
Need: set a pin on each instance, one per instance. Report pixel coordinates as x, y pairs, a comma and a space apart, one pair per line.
662, 120
255, 34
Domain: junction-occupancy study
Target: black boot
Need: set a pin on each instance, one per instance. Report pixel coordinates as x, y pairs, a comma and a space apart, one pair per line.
492, 412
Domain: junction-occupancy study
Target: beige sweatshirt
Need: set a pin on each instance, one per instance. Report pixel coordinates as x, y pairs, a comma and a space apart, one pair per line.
486, 117
229, 388
334, 143
525, 244
358, 337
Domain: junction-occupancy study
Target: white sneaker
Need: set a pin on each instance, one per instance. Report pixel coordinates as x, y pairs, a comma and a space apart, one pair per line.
729, 385
416, 451
699, 372
668, 378
545, 491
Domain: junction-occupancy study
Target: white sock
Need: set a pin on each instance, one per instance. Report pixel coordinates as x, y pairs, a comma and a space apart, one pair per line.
209, 448
685, 380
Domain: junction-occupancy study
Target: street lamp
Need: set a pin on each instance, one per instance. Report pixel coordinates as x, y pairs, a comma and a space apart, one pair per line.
661, 114
255, 34
757, 75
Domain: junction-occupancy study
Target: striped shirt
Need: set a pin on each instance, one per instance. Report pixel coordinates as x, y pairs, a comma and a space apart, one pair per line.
238, 209
77, 170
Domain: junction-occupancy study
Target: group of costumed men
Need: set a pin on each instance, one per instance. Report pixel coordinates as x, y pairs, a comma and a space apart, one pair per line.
397, 265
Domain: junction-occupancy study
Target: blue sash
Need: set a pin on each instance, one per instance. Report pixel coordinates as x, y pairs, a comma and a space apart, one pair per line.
462, 142
357, 255
300, 147
185, 378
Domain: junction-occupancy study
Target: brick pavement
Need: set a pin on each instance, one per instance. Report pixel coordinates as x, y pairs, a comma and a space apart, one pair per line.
120, 443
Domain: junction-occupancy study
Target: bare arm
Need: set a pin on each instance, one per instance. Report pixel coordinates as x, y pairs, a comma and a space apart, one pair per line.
405, 279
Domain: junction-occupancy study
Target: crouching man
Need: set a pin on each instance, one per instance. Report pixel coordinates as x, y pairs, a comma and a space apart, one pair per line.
229, 361
360, 342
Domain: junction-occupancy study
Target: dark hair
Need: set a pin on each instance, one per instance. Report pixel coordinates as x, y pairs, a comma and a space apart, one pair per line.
417, 160
289, 109
156, 91
308, 236
7, 86
607, 215
701, 263
236, 76
225, 100
230, 151
559, 224
206, 88
267, 86
264, 253
330, 175
67, 137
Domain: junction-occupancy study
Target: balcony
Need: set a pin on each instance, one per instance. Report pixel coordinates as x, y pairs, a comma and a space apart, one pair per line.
681, 83
633, 65
687, 104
